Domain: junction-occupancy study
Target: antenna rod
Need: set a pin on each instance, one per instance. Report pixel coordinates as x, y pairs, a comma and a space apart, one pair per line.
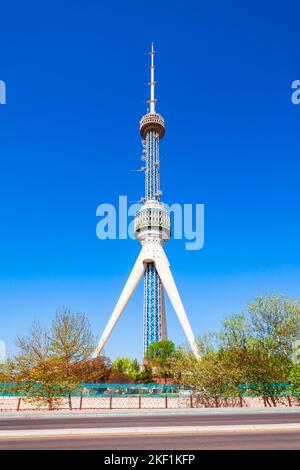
152, 100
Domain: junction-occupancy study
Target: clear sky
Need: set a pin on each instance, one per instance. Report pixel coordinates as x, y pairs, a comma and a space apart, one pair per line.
76, 74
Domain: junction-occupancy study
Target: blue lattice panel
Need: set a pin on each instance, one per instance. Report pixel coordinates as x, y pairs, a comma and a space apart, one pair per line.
152, 165
152, 307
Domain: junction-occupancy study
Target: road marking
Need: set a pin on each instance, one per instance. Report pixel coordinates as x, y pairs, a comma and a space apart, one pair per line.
40, 433
33, 415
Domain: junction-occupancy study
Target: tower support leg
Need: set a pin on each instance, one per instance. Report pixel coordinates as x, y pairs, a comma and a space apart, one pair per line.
151, 253
129, 288
163, 268
163, 314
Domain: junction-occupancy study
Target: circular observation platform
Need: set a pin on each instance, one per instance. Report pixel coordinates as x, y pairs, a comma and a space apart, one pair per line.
152, 223
152, 121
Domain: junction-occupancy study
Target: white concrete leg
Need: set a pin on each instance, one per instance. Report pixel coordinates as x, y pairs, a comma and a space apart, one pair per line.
164, 330
130, 286
163, 268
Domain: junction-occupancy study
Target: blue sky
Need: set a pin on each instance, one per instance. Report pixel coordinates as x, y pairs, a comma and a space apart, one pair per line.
75, 74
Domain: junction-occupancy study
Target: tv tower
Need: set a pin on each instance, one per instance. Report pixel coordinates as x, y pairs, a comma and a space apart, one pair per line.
152, 228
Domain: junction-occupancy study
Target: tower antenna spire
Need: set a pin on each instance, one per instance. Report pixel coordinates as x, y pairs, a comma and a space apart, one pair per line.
152, 100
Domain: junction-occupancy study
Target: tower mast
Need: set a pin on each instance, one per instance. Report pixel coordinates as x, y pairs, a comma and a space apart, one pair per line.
152, 128
152, 228
152, 100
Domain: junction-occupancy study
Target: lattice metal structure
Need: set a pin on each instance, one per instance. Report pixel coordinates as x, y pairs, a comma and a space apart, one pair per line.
151, 129
152, 229
152, 307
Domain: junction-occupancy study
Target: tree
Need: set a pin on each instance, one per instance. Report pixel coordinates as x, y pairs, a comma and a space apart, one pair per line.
235, 332
252, 366
146, 375
253, 347
118, 377
294, 379
95, 370
34, 347
220, 373
269, 327
160, 356
72, 341
129, 367
206, 342
52, 362
42, 383
275, 323
34, 370
161, 350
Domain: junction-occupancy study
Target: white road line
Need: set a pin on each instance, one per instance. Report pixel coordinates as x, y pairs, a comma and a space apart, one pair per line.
29, 433
145, 412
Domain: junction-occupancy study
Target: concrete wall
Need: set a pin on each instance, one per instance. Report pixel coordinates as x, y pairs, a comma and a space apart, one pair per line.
23, 404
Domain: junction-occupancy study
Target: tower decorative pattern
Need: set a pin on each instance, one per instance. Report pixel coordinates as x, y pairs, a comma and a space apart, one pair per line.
152, 307
152, 190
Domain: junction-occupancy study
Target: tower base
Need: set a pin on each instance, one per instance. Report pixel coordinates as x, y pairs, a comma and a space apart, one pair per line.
151, 252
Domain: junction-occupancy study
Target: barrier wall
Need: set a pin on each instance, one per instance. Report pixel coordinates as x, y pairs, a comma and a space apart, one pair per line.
140, 402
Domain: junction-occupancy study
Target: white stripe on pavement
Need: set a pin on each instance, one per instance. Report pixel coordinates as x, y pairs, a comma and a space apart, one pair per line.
27, 433
145, 412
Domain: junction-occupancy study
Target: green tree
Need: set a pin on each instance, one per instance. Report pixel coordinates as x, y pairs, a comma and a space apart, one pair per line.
35, 372
206, 342
160, 356
146, 374
161, 350
253, 347
95, 370
275, 323
235, 332
294, 379
52, 362
129, 367
220, 373
72, 342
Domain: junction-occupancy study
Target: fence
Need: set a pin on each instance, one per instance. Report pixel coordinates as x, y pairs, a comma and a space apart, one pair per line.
142, 402
147, 396
101, 389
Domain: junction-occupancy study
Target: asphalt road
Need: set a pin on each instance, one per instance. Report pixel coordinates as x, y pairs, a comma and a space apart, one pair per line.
145, 421
229, 441
252, 439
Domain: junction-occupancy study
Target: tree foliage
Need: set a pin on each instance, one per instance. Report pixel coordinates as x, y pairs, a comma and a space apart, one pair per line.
126, 366
253, 347
52, 362
161, 350
71, 341
160, 357
295, 379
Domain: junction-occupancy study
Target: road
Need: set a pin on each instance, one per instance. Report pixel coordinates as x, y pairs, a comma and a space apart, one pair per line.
145, 421
233, 441
249, 439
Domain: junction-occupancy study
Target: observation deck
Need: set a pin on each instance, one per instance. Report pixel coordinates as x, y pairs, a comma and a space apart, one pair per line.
152, 121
